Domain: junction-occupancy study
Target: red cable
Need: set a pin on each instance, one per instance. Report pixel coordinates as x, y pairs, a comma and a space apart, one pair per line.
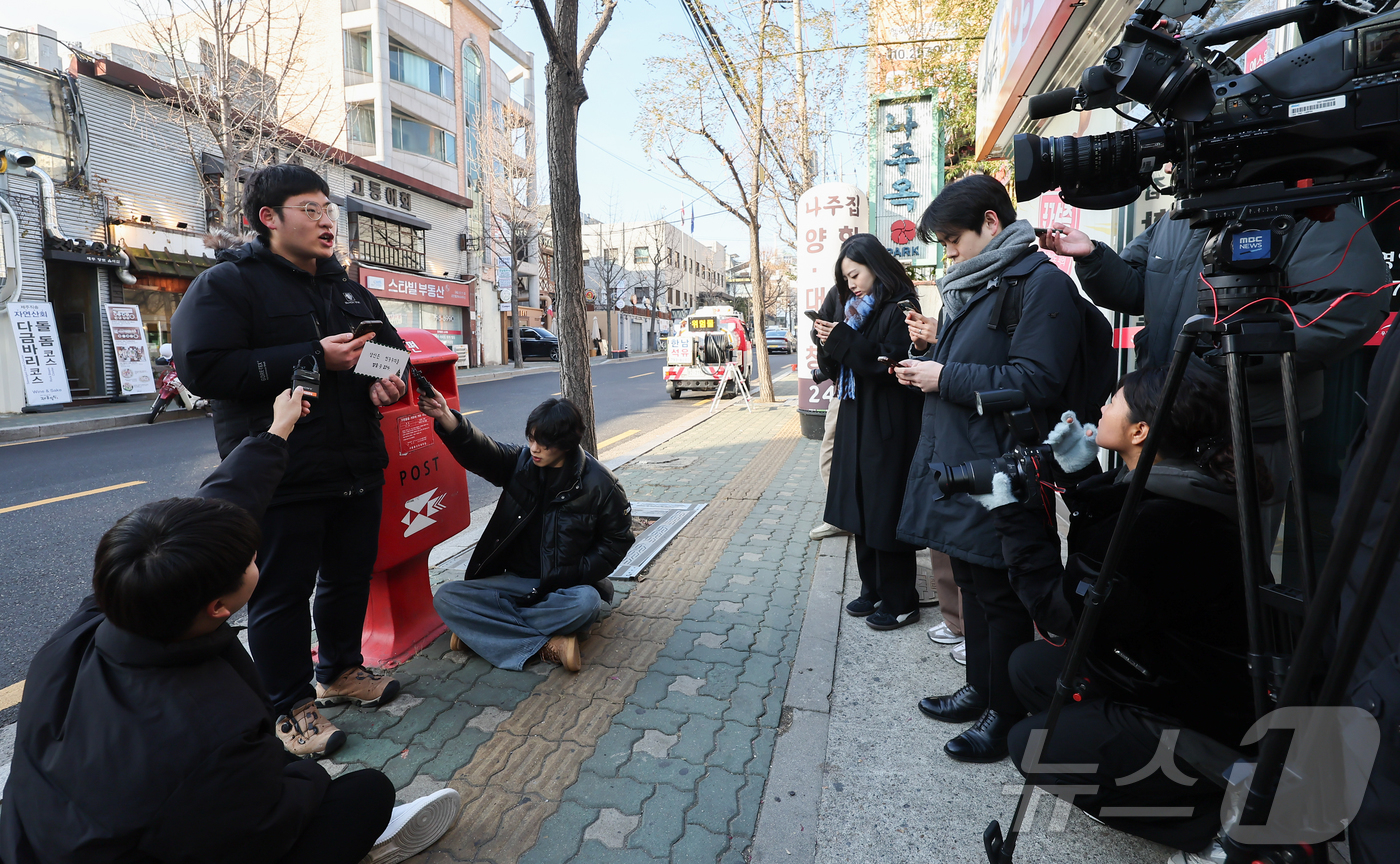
1216, 300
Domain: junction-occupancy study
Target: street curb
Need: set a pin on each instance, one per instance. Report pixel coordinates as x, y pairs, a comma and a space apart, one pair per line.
64, 428
515, 373
792, 795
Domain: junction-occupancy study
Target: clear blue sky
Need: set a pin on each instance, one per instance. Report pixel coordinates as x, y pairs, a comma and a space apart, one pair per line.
614, 172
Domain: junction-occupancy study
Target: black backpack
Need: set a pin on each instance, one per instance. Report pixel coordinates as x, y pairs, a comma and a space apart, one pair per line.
1095, 369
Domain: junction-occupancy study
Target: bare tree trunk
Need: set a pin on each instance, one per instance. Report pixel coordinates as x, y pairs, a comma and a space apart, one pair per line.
515, 319
564, 93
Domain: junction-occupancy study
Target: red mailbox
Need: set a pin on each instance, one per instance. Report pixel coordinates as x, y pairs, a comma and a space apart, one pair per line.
425, 503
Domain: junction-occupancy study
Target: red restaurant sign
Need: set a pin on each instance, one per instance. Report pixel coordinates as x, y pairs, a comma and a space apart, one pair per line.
409, 286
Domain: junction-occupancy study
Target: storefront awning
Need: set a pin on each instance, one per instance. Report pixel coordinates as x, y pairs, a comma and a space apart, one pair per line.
359, 205
164, 263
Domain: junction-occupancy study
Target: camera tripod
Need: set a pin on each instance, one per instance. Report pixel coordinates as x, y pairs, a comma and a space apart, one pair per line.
1283, 656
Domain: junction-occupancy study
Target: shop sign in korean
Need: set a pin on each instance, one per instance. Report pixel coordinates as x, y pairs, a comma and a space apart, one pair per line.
906, 171
826, 216
129, 344
40, 354
421, 289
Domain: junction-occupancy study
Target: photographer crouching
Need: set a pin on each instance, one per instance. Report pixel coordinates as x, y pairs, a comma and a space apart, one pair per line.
1170, 650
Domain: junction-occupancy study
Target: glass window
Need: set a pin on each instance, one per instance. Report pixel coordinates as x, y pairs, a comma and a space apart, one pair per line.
361, 122
444, 322
379, 241
414, 136
471, 103
641, 255
358, 54
400, 313
32, 118
418, 71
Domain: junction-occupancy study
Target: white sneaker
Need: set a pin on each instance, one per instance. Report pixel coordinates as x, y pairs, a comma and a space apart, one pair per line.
959, 653
824, 530
415, 826
943, 634
1212, 854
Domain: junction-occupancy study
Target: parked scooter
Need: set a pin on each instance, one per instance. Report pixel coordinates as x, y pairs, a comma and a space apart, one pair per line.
170, 387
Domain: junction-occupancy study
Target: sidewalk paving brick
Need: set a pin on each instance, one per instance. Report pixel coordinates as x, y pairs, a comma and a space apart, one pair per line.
668, 730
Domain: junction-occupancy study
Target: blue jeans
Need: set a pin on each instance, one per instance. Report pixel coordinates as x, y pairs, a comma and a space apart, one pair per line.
482, 613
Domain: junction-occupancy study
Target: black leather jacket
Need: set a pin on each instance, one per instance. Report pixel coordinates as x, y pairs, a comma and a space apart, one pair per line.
241, 329
586, 529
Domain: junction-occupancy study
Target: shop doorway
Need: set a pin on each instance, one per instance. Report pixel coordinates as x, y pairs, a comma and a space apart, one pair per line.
76, 308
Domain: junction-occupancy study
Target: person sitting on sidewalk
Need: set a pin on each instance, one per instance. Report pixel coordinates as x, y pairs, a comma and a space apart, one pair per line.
145, 733
539, 575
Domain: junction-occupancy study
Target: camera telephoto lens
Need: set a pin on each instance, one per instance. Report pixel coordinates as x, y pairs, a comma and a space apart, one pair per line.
1096, 172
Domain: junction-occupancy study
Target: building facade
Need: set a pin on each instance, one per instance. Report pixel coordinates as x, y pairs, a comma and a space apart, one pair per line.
124, 221
648, 274
407, 85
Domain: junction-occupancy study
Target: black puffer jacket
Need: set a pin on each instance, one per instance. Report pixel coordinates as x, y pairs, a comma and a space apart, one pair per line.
241, 329
133, 750
1173, 636
586, 529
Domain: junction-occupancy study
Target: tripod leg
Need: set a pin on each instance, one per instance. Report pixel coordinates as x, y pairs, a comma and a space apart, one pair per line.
1370, 470
1251, 542
1295, 458
1093, 602
1352, 636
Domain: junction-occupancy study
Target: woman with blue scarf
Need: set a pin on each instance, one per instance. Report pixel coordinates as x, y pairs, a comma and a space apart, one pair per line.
877, 427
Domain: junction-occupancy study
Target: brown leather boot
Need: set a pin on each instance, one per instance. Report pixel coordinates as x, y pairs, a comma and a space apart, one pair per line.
357, 684
305, 733
456, 643
563, 651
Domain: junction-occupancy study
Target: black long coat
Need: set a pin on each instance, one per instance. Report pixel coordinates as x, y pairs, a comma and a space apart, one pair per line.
876, 433
1036, 360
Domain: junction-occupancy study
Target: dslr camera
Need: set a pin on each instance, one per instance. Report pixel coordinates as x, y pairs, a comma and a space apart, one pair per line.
1025, 463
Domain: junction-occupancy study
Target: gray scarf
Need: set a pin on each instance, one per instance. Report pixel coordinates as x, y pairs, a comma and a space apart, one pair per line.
966, 278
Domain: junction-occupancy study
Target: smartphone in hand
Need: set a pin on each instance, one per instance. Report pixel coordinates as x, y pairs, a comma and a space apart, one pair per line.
907, 306
887, 361
373, 325
811, 314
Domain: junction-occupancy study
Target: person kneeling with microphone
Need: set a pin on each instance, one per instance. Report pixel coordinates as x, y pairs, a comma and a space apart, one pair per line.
1170, 650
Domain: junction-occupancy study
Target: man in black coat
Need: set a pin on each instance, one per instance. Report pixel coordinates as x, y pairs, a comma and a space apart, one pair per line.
145, 734
271, 305
969, 349
1157, 276
539, 575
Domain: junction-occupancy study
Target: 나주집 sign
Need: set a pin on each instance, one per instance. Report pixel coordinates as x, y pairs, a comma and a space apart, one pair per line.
826, 216
40, 354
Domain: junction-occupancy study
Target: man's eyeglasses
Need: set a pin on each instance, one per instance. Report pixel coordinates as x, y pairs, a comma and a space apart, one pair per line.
313, 211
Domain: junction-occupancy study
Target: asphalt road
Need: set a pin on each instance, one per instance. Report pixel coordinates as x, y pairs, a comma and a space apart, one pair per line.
46, 551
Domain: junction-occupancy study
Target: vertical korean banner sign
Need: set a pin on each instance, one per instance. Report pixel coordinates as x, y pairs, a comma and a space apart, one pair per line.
40, 354
826, 216
129, 343
906, 173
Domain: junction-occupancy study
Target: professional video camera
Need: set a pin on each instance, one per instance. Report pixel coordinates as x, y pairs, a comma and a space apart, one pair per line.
1025, 463
1313, 128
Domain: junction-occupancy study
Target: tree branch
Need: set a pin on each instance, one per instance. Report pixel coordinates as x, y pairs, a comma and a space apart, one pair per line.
551, 38
734, 211
592, 40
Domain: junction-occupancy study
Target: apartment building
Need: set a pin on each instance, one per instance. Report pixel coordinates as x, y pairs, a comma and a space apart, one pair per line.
407, 85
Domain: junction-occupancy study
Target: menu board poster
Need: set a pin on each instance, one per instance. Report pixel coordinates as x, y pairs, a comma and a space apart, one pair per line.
129, 343
40, 354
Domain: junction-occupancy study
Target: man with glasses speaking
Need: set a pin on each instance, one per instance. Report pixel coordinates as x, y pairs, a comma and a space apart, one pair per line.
280, 303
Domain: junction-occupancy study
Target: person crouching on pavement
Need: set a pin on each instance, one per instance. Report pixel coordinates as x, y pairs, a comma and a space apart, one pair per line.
145, 733
539, 575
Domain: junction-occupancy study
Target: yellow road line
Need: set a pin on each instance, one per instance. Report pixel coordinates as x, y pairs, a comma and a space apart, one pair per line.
11, 695
70, 497
470, 413
643, 375
34, 441
616, 438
